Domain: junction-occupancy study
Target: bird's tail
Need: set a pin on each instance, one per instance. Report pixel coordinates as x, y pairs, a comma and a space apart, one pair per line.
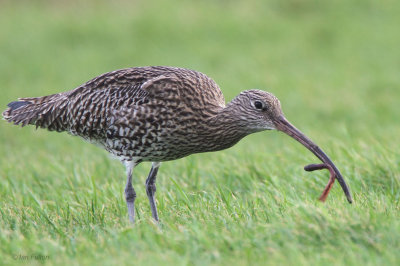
40, 111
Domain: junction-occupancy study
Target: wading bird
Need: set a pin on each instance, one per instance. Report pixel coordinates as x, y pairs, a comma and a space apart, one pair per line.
157, 114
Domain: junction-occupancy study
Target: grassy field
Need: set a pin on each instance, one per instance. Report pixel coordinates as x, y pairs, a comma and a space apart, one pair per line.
333, 64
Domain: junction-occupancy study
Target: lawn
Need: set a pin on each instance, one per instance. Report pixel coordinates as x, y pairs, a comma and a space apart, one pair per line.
333, 64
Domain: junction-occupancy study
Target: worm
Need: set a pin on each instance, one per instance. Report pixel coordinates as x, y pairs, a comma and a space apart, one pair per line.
313, 167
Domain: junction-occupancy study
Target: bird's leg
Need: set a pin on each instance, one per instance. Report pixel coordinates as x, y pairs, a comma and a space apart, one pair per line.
151, 189
130, 194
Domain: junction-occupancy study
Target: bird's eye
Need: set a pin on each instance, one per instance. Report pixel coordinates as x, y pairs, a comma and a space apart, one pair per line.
258, 105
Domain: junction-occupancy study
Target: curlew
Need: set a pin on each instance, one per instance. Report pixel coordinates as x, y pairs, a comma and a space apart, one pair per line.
157, 114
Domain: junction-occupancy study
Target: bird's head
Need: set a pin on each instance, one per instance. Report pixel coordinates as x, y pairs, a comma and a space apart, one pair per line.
257, 110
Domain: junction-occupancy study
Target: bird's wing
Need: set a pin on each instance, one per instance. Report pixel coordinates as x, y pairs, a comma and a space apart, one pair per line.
194, 87
107, 103
161, 102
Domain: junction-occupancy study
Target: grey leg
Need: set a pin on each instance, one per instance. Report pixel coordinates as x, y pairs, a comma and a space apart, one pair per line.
130, 194
151, 188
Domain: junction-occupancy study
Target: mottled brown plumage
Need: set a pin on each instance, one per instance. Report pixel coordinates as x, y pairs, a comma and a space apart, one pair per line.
155, 114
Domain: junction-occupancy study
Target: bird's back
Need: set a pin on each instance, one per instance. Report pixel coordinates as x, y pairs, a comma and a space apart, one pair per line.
135, 111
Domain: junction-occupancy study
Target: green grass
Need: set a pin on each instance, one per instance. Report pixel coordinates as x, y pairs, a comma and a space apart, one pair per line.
333, 64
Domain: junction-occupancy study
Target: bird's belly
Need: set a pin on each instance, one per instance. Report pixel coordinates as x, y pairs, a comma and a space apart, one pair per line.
162, 148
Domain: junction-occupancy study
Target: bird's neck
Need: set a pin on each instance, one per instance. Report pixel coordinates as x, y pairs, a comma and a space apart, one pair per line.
223, 130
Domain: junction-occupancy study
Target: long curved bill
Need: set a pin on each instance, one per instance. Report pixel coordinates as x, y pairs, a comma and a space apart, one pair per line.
285, 126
